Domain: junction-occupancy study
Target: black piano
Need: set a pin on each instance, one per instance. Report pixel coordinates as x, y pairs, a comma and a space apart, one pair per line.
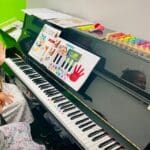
72, 109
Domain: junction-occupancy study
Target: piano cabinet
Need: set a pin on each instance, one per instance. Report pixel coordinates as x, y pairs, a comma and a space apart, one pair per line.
123, 107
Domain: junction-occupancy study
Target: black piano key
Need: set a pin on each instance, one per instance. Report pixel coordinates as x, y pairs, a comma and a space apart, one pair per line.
58, 97
42, 82
80, 121
25, 67
85, 124
52, 90
48, 91
39, 80
29, 71
95, 132
112, 146
64, 103
76, 116
66, 106
99, 136
68, 109
44, 85
58, 100
73, 113
20, 63
16, 59
105, 143
53, 93
33, 76
89, 127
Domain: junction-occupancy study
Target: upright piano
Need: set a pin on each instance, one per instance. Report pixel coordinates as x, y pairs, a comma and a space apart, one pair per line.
73, 109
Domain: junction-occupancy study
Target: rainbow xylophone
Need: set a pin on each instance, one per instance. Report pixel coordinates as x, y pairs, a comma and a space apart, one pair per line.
130, 42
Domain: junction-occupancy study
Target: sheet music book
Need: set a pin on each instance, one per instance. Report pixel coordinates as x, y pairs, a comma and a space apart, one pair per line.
69, 22
67, 61
58, 18
44, 13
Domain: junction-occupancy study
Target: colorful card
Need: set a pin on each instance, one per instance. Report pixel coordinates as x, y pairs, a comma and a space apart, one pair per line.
67, 61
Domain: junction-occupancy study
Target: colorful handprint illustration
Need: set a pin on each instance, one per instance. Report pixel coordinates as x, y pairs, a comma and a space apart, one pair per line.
78, 71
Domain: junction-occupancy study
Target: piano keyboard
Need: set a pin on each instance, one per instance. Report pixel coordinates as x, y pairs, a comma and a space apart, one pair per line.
90, 135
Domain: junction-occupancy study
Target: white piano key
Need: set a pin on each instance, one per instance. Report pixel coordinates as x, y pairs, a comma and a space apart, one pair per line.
88, 141
117, 147
92, 130
50, 98
73, 112
110, 143
42, 89
77, 119
62, 101
95, 144
84, 135
85, 124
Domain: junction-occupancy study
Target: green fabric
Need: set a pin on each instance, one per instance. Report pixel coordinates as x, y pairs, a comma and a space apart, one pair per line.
7, 40
1, 38
11, 9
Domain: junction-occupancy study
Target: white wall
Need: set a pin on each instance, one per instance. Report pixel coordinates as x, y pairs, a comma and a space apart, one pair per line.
129, 16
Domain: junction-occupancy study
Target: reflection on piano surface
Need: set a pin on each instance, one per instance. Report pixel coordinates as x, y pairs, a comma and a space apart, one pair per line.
90, 131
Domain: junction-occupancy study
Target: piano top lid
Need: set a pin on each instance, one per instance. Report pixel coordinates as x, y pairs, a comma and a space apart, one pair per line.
67, 61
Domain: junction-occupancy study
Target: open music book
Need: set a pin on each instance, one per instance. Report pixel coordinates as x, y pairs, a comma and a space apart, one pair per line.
60, 19
67, 61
